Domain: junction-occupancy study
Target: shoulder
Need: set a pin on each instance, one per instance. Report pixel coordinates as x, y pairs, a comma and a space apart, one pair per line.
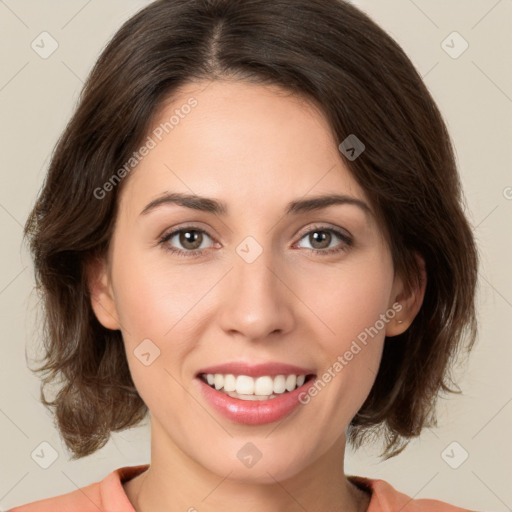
85, 499
106, 495
385, 498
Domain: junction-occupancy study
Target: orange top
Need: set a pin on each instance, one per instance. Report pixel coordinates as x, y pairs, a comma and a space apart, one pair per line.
109, 496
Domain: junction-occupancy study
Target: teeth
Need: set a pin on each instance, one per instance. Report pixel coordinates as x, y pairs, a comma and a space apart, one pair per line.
219, 381
263, 386
251, 397
229, 383
291, 382
280, 383
244, 384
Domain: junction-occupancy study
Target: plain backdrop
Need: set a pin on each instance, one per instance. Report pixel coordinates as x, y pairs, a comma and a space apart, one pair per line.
467, 459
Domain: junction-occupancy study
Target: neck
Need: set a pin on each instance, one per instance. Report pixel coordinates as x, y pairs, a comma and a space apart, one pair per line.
175, 482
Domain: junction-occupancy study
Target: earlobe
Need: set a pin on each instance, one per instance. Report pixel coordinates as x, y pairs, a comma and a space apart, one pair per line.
101, 292
409, 302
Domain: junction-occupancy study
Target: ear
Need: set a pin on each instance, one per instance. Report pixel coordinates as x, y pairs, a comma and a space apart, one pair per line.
101, 292
406, 304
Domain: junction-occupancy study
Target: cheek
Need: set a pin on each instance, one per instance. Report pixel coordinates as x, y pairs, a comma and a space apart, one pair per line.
348, 298
152, 300
154, 295
351, 334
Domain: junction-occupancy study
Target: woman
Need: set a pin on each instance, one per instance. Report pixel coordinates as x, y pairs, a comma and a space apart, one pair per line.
252, 228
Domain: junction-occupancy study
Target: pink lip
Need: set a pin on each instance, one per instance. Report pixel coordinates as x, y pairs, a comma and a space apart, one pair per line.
258, 370
253, 412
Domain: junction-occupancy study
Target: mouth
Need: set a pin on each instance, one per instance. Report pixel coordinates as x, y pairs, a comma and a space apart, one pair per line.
255, 394
263, 387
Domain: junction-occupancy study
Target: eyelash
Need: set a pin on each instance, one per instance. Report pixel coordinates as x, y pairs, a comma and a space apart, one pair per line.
347, 241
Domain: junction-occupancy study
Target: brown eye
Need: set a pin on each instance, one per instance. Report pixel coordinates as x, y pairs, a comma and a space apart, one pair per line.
190, 239
186, 241
320, 239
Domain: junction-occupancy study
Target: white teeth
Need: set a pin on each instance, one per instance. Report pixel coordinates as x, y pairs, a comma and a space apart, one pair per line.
219, 381
244, 385
254, 388
229, 383
250, 397
280, 384
291, 382
263, 386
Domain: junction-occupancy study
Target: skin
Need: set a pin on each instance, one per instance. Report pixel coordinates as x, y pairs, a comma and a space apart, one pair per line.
256, 148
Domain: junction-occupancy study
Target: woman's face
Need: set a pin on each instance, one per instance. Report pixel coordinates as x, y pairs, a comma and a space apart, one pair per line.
250, 287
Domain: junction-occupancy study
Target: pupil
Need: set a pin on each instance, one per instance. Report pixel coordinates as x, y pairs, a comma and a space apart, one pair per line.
323, 236
188, 238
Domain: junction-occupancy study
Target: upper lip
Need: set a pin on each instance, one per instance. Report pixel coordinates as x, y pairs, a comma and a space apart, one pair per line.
256, 370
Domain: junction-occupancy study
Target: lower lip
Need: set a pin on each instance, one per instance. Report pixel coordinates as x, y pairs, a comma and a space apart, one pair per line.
254, 412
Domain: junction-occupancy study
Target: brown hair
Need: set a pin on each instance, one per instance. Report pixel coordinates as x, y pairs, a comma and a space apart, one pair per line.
327, 51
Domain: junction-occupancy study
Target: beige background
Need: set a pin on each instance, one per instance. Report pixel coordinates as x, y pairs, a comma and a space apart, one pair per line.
474, 92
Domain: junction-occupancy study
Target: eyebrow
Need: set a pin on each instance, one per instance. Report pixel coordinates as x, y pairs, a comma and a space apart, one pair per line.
206, 204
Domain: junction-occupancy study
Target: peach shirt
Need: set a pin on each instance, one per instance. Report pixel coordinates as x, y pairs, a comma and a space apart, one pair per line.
108, 496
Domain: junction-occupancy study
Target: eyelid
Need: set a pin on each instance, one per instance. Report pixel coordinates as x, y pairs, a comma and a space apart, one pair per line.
346, 238
300, 234
183, 227
168, 234
324, 227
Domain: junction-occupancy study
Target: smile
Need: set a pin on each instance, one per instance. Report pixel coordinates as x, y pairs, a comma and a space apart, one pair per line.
254, 401
245, 387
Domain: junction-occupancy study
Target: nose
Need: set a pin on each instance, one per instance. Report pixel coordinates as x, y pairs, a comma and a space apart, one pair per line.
257, 300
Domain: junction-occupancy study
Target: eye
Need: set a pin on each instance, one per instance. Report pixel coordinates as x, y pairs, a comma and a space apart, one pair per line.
191, 240
321, 237
189, 237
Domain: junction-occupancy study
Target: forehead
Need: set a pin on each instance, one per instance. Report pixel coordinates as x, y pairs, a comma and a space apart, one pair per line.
240, 142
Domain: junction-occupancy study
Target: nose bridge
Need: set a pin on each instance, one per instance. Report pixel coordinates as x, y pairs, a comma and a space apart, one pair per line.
258, 302
254, 271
